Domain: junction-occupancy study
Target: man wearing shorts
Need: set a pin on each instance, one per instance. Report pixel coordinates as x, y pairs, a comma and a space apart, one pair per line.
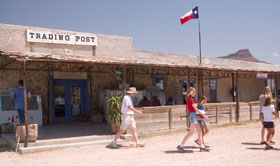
127, 111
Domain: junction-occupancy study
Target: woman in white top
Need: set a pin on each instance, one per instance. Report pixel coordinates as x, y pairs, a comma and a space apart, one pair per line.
266, 92
267, 119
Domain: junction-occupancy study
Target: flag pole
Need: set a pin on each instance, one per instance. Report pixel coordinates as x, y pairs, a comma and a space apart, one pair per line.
199, 36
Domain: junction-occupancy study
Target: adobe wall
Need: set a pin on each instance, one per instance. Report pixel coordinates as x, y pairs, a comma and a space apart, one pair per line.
13, 38
250, 89
36, 81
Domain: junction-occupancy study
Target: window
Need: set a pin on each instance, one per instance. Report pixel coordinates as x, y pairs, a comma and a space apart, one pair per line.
270, 84
160, 82
213, 90
6, 98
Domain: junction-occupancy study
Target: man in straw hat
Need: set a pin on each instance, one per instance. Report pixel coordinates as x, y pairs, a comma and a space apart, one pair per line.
127, 111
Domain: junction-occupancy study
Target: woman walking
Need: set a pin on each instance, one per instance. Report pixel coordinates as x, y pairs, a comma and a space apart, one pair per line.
267, 119
266, 92
192, 109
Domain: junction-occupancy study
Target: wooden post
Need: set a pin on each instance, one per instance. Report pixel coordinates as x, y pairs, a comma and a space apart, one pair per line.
233, 87
217, 114
124, 80
237, 100
25, 106
49, 94
188, 86
251, 111
170, 117
276, 95
198, 86
230, 114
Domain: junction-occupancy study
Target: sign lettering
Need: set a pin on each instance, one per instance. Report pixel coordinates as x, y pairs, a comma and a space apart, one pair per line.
58, 37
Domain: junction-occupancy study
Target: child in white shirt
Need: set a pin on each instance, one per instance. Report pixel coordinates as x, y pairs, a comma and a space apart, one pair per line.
267, 118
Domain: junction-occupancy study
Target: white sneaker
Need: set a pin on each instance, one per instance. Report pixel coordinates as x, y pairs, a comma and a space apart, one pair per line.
114, 144
140, 144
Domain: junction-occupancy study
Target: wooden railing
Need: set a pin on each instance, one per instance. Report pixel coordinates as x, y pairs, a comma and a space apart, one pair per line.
171, 117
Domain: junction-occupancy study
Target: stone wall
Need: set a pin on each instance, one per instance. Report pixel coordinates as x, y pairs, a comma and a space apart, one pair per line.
36, 81
13, 38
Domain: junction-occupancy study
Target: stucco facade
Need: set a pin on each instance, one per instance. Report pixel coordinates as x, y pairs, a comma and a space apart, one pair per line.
13, 37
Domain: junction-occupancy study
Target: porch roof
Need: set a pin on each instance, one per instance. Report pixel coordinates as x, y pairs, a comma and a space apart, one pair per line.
145, 58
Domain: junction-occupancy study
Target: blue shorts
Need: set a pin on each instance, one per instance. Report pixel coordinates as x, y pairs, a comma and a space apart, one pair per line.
193, 117
204, 123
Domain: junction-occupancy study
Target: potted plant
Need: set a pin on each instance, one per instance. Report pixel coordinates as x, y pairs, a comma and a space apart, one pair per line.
114, 111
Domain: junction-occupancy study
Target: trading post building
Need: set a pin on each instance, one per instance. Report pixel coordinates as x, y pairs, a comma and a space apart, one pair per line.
70, 74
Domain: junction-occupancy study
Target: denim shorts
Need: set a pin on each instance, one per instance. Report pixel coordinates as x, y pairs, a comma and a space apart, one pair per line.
204, 123
268, 125
193, 117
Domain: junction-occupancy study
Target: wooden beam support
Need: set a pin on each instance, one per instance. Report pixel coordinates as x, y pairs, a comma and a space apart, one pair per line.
276, 95
124, 81
6, 64
237, 113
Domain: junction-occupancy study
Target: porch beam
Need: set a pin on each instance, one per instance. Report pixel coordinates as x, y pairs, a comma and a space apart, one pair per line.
6, 64
42, 67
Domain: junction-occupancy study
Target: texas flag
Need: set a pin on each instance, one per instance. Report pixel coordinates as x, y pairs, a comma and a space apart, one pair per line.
193, 14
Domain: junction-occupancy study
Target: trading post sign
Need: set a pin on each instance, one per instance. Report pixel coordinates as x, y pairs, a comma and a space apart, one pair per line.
61, 37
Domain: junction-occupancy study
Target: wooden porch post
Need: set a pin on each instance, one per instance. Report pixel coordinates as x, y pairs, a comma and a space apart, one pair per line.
188, 86
25, 105
276, 95
233, 87
198, 86
237, 113
124, 80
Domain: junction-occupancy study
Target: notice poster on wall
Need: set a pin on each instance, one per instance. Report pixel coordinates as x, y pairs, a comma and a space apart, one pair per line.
261, 76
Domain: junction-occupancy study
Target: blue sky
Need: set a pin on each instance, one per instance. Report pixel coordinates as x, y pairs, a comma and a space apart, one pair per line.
226, 26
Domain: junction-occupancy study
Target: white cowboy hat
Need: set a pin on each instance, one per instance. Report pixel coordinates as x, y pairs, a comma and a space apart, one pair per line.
132, 90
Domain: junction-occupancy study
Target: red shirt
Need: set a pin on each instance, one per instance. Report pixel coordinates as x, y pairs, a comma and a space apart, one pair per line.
190, 102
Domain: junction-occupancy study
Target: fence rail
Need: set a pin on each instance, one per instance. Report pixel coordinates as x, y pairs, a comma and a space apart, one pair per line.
172, 117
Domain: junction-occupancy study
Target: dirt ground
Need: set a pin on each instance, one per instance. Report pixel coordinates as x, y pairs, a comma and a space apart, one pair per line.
230, 145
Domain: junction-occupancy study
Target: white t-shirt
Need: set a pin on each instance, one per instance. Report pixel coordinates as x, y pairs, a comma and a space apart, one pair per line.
267, 113
127, 101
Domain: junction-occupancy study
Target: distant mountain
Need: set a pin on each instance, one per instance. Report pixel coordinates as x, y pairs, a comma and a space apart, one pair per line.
243, 55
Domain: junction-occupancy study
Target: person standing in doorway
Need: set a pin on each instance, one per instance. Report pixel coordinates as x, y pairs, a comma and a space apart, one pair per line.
127, 118
192, 109
18, 99
266, 92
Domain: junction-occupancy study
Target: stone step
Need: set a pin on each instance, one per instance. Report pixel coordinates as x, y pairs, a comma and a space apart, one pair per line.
61, 143
33, 149
69, 140
11, 138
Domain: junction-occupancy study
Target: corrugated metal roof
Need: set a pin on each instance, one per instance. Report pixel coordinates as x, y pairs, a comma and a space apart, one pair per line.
144, 58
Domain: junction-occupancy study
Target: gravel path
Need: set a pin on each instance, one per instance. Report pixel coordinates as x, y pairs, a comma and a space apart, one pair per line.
230, 145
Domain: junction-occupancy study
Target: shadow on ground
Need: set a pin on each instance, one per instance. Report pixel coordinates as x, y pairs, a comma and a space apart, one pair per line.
176, 151
254, 148
259, 146
120, 147
250, 143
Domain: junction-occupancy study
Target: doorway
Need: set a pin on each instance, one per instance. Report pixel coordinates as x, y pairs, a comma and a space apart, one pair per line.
70, 99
